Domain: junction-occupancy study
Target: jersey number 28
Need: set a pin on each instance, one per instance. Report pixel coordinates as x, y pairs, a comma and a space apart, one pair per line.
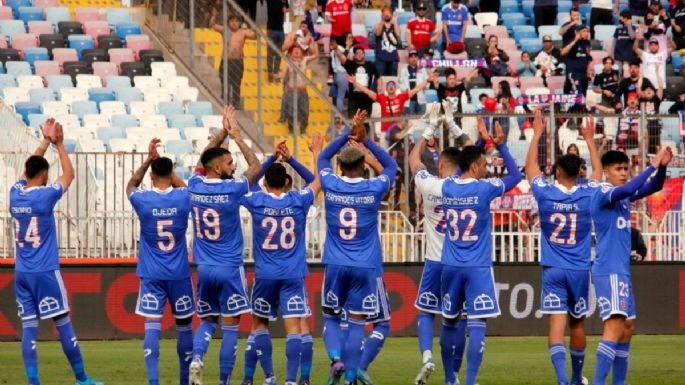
286, 240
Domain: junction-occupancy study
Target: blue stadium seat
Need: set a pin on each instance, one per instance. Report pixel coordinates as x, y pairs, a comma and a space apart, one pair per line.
128, 95
16, 4
57, 14
182, 172
431, 96
531, 45
33, 54
604, 33
117, 82
83, 107
27, 14
25, 109
525, 34
107, 133
17, 68
99, 95
508, 7
371, 18
564, 6
7, 80
551, 30
169, 109
182, 121
118, 15
178, 147
125, 29
40, 95
200, 108
511, 19
370, 55
10, 28
81, 42
472, 31
57, 82
585, 12
124, 121
676, 60
474, 92
36, 120
527, 8
2, 68
404, 17
70, 145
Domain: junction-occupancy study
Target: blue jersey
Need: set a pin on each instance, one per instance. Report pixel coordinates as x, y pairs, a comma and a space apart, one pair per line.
612, 225
163, 215
278, 233
352, 235
466, 204
34, 226
566, 224
455, 19
216, 216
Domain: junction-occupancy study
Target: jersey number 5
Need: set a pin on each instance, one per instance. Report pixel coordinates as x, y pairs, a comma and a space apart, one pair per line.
561, 219
287, 238
453, 217
170, 242
32, 236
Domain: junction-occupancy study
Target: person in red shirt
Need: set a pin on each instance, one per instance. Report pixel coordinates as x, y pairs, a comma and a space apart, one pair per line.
392, 103
339, 14
420, 31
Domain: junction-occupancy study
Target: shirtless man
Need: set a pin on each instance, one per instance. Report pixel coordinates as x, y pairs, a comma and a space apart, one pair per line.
288, 76
302, 38
236, 43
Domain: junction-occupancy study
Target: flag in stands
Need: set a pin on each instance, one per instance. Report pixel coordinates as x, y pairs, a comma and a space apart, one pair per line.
547, 99
445, 63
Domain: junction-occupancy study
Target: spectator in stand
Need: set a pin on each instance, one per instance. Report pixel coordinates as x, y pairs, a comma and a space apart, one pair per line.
339, 55
526, 68
420, 34
410, 77
633, 83
679, 105
663, 16
600, 14
298, 12
395, 139
577, 54
234, 65
496, 59
629, 126
654, 29
487, 6
545, 12
392, 103
568, 30
455, 20
653, 62
320, 10
624, 39
302, 98
551, 65
431, 155
303, 38
650, 101
336, 128
275, 10
339, 14
451, 91
506, 105
365, 74
678, 24
387, 43
638, 8
638, 247
606, 83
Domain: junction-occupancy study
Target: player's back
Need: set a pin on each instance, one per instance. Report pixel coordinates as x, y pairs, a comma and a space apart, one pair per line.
430, 188
466, 204
565, 223
352, 234
34, 226
278, 227
218, 239
612, 226
163, 218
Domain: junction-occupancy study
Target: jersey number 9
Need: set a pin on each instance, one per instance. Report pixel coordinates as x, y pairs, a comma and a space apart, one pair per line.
348, 223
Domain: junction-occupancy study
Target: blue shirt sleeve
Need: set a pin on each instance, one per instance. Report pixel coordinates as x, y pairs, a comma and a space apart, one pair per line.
333, 147
301, 170
654, 185
628, 189
388, 163
510, 181
262, 170
246, 200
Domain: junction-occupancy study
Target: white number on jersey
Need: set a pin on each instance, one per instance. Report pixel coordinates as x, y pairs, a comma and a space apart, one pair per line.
210, 218
348, 220
454, 217
561, 218
287, 239
32, 236
171, 240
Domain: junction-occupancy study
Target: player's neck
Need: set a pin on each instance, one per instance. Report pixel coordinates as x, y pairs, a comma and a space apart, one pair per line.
569, 184
276, 191
35, 182
162, 185
467, 175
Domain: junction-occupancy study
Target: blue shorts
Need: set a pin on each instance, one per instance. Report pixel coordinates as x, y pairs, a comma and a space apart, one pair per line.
429, 297
473, 285
383, 303
565, 291
154, 293
290, 295
352, 288
221, 291
40, 294
614, 295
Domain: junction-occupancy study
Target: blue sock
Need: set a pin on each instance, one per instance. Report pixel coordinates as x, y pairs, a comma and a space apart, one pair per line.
374, 344
28, 350
306, 356
262, 343
475, 350
344, 333
353, 347
293, 350
460, 344
184, 349
606, 352
70, 347
448, 335
621, 363
557, 353
227, 352
577, 361
425, 331
203, 336
331, 335
151, 350
250, 359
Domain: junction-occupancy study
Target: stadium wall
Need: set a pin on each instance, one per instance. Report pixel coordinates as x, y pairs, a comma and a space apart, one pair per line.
103, 299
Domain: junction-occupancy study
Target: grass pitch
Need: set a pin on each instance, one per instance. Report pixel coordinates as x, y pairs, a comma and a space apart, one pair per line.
508, 361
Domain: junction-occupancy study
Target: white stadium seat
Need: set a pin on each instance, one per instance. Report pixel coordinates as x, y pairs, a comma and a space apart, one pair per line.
122, 145
70, 95
14, 95
141, 109
144, 83
95, 121
88, 81
110, 108
158, 96
30, 81
55, 108
153, 122
163, 69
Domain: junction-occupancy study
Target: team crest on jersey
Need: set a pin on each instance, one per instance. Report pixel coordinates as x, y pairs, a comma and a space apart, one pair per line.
552, 301
604, 304
331, 299
423, 174
624, 304
428, 299
581, 306
606, 188
296, 303
325, 172
495, 182
236, 302
370, 302
540, 181
483, 302
183, 304
261, 306
149, 302
446, 302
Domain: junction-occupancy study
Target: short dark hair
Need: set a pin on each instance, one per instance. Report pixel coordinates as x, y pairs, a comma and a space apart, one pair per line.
635, 62
275, 175
450, 71
614, 157
481, 96
288, 180
468, 156
162, 167
233, 16
626, 14
608, 58
451, 155
570, 164
34, 165
212, 153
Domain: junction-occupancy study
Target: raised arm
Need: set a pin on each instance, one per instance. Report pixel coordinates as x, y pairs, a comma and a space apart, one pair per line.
67, 168
324, 160
588, 132
421, 86
362, 88
657, 182
253, 165
262, 170
532, 166
388, 163
631, 187
368, 158
219, 137
139, 174
510, 181
565, 51
299, 168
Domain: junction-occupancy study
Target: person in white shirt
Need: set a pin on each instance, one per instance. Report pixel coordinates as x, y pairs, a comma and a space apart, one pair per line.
653, 61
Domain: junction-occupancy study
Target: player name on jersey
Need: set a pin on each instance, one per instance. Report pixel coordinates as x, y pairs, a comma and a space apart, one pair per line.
351, 200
